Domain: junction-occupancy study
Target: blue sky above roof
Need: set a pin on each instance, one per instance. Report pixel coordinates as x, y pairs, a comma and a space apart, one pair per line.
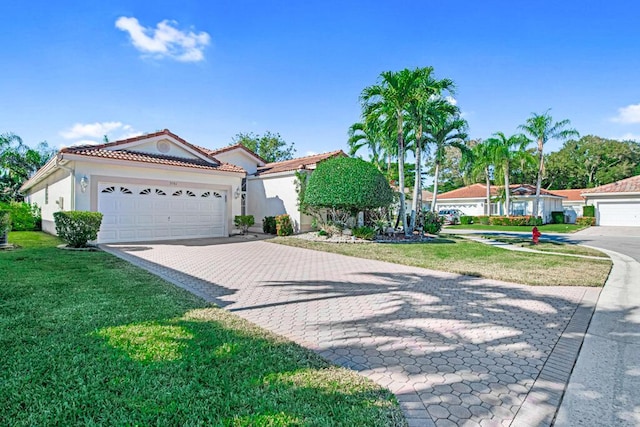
209, 70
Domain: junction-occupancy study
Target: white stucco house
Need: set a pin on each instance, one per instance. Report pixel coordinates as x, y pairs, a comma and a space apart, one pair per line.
471, 200
617, 203
572, 204
160, 187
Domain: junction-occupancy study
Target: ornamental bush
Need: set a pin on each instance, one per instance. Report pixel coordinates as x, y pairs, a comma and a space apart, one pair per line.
432, 222
284, 227
24, 216
347, 184
557, 217
525, 220
77, 227
589, 211
243, 222
466, 219
586, 220
365, 232
269, 225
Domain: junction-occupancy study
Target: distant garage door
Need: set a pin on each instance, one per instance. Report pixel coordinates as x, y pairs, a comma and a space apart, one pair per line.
149, 212
619, 213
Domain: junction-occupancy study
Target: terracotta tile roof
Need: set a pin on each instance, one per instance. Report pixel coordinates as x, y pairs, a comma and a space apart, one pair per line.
134, 156
629, 185
104, 151
571, 195
478, 191
229, 148
307, 162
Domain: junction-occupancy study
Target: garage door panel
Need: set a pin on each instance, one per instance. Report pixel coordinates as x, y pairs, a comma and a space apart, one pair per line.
619, 213
142, 212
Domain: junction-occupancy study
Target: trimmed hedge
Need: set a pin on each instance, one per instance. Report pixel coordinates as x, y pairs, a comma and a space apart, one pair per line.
466, 219
589, 211
284, 227
586, 220
24, 216
557, 217
482, 219
269, 225
77, 227
525, 220
347, 184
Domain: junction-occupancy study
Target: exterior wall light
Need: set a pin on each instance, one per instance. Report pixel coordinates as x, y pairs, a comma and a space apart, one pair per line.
84, 183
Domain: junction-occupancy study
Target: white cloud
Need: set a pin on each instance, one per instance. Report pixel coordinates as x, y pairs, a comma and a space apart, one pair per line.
93, 133
628, 114
165, 40
451, 100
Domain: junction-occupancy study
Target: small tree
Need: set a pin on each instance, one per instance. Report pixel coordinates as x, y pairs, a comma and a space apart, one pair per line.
243, 222
349, 185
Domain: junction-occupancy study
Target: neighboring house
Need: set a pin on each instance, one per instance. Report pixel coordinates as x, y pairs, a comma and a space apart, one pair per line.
572, 204
160, 187
471, 200
617, 203
427, 198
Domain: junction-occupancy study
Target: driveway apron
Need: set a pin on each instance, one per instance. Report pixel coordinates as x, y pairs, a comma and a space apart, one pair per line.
456, 350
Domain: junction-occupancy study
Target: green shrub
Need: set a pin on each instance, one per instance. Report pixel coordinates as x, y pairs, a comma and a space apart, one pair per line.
243, 222
525, 220
269, 224
432, 223
284, 227
589, 211
466, 219
364, 232
483, 219
586, 220
77, 227
347, 184
557, 217
5, 222
24, 216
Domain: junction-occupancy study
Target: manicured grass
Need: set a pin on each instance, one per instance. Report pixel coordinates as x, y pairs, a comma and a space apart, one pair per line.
87, 339
548, 228
546, 245
458, 255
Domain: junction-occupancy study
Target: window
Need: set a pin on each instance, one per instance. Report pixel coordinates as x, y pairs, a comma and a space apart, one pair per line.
159, 192
243, 204
217, 195
495, 208
46, 194
519, 208
207, 194
191, 193
109, 190
177, 193
146, 191
124, 190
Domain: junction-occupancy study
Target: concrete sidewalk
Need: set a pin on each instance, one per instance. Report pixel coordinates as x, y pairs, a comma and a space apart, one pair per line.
604, 388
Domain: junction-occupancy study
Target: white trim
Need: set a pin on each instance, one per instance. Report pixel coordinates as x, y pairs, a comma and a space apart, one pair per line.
134, 163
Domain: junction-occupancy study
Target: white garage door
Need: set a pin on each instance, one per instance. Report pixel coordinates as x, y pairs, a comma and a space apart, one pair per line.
619, 213
149, 212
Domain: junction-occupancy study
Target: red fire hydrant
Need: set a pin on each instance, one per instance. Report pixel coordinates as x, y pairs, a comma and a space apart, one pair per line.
535, 234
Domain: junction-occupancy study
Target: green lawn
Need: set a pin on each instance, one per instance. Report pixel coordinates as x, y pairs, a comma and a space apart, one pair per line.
545, 245
87, 339
462, 256
549, 228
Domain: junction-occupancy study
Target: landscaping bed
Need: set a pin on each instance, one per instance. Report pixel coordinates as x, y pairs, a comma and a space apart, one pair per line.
461, 256
88, 339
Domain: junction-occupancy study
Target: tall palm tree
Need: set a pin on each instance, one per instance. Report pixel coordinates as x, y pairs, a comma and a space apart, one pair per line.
421, 109
444, 130
541, 128
506, 151
478, 163
378, 137
389, 99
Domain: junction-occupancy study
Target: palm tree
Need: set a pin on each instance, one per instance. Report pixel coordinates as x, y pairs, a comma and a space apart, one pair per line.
378, 137
478, 163
389, 99
541, 128
444, 130
506, 151
427, 104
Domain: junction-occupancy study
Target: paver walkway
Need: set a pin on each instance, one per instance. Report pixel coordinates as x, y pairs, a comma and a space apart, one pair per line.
456, 350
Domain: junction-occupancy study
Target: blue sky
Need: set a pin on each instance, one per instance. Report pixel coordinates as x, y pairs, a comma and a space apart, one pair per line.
209, 70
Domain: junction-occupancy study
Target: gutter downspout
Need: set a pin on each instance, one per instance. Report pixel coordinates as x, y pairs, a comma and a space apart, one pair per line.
72, 172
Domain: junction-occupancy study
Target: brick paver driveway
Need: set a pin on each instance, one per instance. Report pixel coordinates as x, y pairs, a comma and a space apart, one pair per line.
456, 350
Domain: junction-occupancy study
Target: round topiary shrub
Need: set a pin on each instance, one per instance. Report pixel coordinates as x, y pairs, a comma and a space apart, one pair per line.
348, 184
